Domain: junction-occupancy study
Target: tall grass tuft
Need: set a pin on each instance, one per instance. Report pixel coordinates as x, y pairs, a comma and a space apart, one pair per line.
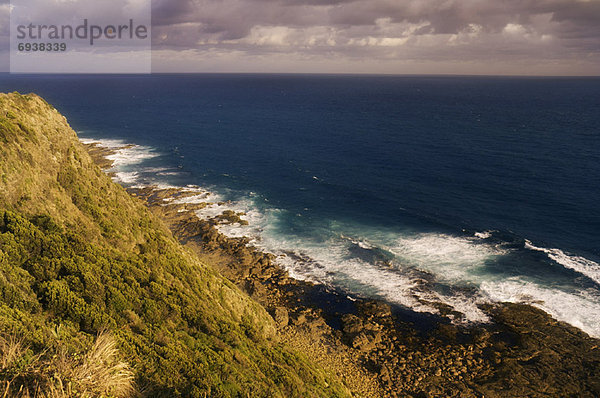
57, 374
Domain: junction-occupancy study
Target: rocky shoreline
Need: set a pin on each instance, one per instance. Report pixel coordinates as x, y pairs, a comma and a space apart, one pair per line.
371, 345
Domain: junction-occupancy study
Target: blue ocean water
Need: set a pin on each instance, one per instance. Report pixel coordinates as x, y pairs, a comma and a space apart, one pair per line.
413, 189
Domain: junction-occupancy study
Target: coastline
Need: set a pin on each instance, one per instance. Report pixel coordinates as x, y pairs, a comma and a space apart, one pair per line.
370, 344
79, 256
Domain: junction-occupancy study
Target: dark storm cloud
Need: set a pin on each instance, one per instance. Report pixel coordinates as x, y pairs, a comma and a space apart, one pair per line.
166, 12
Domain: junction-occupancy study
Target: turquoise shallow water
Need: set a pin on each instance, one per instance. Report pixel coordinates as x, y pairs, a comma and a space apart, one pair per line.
455, 189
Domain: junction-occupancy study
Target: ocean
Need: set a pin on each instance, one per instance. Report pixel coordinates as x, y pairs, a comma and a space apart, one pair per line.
411, 189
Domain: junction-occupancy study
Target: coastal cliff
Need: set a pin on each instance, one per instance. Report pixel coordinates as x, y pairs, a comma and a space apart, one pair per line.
105, 292
80, 257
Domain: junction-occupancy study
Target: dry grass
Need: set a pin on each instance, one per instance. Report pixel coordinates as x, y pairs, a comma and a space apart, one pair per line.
11, 349
98, 373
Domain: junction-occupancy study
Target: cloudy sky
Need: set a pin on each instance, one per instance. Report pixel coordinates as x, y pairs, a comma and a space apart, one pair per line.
523, 37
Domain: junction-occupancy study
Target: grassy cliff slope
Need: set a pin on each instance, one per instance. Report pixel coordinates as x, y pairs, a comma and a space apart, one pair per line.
79, 256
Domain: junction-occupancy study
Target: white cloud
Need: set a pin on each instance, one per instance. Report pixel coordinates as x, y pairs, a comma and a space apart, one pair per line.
514, 29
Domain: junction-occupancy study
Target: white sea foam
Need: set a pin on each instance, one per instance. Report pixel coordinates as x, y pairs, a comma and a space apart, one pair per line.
256, 219
210, 211
363, 244
131, 155
164, 185
578, 308
330, 263
252, 230
124, 157
127, 177
468, 305
199, 198
326, 265
450, 258
483, 234
104, 143
579, 264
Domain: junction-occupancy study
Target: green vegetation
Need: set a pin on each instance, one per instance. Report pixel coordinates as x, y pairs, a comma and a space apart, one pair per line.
56, 373
80, 256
